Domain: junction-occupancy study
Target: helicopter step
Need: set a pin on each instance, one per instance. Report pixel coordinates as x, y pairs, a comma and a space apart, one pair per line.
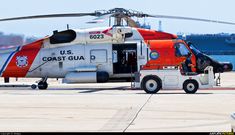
15, 85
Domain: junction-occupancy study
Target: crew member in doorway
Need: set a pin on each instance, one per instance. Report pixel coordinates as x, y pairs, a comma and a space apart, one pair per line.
132, 58
187, 65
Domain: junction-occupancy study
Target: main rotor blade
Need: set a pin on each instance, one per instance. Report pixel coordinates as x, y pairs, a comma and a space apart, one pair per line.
50, 16
100, 19
189, 18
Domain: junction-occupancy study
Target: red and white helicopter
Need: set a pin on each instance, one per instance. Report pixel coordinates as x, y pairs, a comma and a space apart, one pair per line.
102, 53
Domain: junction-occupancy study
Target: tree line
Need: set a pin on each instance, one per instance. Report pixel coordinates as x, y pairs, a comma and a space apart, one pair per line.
15, 39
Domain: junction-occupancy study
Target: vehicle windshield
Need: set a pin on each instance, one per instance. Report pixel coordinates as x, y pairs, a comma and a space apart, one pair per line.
194, 49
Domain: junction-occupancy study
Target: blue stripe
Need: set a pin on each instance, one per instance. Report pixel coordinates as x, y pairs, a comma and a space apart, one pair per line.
9, 57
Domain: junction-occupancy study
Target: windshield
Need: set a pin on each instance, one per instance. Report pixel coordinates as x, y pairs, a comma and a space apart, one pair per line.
181, 49
194, 49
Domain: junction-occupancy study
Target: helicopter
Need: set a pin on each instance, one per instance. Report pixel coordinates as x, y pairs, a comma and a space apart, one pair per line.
102, 53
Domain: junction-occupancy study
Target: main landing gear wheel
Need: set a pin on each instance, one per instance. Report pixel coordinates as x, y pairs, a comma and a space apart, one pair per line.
42, 85
190, 86
151, 84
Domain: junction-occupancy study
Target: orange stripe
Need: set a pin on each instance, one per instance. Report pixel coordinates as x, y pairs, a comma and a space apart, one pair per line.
30, 51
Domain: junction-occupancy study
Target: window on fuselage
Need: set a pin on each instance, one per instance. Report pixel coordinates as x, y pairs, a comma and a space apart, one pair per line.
181, 50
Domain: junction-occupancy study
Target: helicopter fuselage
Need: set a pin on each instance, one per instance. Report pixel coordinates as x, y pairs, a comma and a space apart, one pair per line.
94, 55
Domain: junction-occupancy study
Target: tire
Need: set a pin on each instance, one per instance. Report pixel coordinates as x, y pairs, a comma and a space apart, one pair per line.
42, 85
151, 84
33, 86
190, 86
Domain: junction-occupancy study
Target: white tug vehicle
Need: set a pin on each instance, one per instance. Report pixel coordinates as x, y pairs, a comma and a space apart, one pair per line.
173, 78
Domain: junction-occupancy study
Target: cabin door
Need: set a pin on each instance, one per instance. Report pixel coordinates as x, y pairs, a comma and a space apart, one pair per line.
124, 58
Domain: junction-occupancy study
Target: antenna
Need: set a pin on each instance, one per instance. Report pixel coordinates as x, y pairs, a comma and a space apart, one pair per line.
67, 26
109, 21
160, 26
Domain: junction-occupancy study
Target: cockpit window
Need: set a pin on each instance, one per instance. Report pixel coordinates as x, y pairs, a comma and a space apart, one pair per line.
63, 37
181, 50
194, 49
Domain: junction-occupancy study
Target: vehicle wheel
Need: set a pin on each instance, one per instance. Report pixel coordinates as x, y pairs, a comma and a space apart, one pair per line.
42, 85
33, 86
190, 86
151, 84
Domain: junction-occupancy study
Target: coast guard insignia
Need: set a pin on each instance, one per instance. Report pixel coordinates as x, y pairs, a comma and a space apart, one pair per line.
22, 61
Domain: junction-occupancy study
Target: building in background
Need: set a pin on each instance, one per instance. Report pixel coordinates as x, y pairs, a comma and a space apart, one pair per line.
14, 40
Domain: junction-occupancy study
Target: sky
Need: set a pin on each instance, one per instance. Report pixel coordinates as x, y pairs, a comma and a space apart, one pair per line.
207, 9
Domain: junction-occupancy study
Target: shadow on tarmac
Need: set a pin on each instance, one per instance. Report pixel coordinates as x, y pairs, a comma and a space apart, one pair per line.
178, 93
92, 90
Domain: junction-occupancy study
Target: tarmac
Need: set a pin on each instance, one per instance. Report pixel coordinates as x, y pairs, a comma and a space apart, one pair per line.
114, 107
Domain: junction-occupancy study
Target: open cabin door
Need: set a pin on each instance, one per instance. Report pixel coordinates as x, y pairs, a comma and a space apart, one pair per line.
124, 58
